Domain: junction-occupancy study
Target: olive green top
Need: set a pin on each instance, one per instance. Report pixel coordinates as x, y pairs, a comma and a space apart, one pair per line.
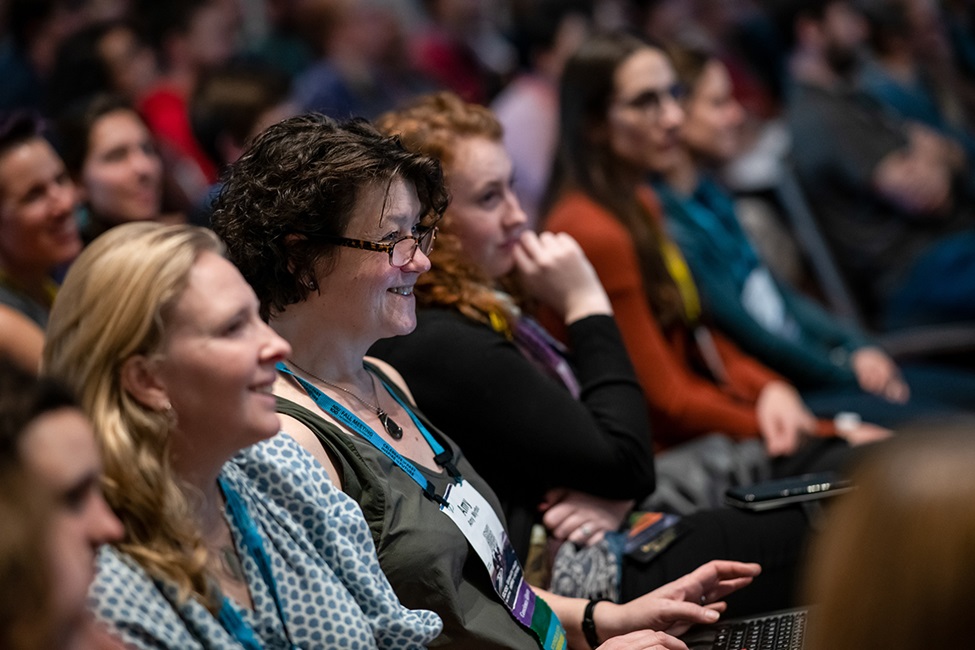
425, 556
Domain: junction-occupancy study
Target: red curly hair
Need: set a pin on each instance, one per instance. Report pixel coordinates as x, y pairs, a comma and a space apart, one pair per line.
434, 125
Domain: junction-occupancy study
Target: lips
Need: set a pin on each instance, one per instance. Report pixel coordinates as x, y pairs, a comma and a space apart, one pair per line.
402, 291
265, 388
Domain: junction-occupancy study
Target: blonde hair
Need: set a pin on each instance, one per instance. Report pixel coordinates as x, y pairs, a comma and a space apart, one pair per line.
113, 305
895, 567
434, 125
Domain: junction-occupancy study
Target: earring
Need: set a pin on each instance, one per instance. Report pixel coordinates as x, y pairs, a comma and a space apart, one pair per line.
170, 414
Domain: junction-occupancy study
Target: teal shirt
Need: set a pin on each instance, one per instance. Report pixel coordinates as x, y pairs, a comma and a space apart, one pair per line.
812, 349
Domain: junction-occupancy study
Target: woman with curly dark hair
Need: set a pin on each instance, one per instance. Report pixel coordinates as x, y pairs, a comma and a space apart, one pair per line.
332, 224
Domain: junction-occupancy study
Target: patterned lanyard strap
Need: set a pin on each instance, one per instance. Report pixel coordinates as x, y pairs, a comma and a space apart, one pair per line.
231, 619
442, 457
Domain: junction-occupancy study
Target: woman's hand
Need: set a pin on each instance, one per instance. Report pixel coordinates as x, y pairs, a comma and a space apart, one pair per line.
581, 518
674, 607
782, 418
555, 271
644, 640
878, 374
864, 433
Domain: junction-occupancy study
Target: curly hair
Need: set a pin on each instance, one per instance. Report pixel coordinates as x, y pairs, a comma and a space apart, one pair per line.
115, 303
435, 125
297, 185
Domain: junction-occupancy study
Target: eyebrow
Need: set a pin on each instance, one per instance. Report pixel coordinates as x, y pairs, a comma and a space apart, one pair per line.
77, 489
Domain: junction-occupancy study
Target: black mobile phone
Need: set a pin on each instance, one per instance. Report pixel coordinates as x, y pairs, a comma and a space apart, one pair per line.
781, 492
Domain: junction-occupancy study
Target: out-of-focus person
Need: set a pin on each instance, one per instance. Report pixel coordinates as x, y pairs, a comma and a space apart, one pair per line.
894, 567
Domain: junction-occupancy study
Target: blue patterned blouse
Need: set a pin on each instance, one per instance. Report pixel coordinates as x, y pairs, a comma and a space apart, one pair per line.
333, 593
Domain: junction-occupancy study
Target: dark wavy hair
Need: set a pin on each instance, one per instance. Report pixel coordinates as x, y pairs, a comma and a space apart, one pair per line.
26, 505
75, 125
23, 399
299, 182
18, 127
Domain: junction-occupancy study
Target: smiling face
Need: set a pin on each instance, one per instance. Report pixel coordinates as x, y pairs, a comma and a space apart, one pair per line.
364, 294
217, 363
122, 174
37, 200
59, 447
644, 116
713, 117
484, 213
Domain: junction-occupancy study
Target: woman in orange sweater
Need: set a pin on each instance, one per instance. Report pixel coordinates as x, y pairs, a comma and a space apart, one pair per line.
619, 123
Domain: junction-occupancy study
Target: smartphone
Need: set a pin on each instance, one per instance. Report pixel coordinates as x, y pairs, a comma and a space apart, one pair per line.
782, 492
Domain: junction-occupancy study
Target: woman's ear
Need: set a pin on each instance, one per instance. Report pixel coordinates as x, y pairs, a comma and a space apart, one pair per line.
139, 379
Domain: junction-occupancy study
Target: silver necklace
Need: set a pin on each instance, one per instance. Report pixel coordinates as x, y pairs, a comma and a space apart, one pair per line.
393, 429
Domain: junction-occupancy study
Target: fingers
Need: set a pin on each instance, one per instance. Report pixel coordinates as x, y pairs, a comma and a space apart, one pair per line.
897, 391
781, 439
713, 580
644, 640
566, 522
867, 433
547, 248
718, 570
726, 587
680, 614
557, 519
553, 496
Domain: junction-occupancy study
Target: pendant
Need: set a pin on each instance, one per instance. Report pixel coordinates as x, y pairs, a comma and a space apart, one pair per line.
393, 429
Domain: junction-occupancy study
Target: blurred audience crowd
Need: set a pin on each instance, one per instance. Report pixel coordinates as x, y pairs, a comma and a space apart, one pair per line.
203, 77
605, 178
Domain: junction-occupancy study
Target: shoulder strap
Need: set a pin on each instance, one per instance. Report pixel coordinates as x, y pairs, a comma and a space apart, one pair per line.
358, 479
395, 388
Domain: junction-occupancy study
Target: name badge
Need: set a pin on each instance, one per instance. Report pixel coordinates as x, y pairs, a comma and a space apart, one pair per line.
476, 519
764, 303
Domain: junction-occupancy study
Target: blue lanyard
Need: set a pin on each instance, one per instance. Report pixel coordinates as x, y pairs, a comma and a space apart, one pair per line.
237, 627
231, 619
349, 419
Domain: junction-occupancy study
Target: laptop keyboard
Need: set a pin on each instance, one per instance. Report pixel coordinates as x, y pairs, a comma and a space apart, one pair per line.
781, 632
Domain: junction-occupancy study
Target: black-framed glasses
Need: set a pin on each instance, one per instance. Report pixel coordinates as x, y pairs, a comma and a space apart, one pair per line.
651, 100
400, 252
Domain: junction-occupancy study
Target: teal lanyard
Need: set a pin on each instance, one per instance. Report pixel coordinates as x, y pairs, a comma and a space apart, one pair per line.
229, 617
544, 624
442, 457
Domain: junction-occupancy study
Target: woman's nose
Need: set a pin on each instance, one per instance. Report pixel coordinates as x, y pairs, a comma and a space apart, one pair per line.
104, 526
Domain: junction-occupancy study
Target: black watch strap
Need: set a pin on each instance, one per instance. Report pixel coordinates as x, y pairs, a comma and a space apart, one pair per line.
589, 623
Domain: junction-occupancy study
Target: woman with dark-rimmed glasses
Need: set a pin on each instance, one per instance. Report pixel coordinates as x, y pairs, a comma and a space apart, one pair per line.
331, 223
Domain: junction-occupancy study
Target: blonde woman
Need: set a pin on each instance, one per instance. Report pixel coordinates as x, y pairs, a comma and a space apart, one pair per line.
162, 340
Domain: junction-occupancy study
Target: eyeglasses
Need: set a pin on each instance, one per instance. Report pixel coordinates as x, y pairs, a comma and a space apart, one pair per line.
400, 252
652, 100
